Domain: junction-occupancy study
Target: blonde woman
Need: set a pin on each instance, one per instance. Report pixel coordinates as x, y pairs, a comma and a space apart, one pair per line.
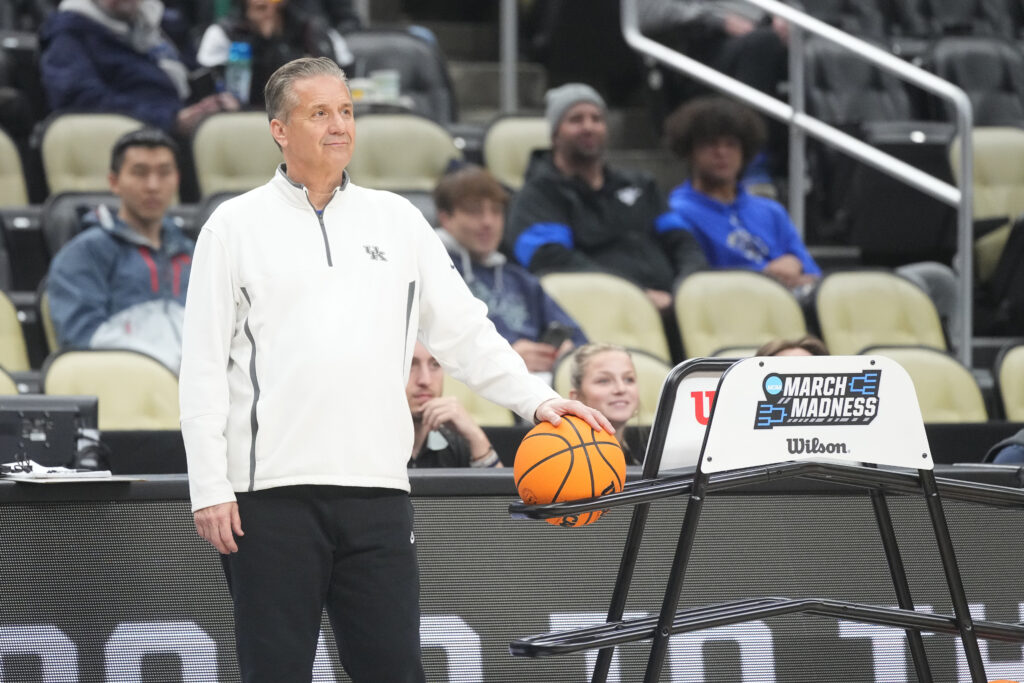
603, 377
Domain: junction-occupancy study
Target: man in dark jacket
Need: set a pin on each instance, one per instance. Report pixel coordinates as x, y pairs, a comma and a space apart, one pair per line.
116, 56
446, 435
471, 208
576, 212
122, 282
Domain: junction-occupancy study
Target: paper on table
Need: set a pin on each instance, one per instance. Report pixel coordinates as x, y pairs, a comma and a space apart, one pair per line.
32, 471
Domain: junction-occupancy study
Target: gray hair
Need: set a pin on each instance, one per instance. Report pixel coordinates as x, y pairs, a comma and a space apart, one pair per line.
583, 355
279, 94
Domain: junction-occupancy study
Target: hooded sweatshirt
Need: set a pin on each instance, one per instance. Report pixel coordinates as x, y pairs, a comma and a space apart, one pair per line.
109, 287
93, 62
516, 303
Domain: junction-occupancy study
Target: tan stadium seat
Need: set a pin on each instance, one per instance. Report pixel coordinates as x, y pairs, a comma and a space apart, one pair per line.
76, 150
135, 391
1009, 371
998, 188
609, 309
8, 387
946, 390
234, 152
46, 319
858, 309
13, 191
400, 152
651, 372
13, 352
724, 310
486, 413
508, 143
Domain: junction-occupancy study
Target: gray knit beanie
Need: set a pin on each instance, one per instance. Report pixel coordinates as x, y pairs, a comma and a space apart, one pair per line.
560, 99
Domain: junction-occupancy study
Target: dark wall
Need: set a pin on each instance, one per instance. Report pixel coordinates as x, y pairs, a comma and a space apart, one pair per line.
115, 581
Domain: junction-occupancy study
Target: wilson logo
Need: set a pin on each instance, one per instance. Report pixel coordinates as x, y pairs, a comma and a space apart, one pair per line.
814, 446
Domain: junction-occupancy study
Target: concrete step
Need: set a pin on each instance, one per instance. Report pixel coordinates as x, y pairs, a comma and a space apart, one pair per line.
466, 41
632, 128
478, 84
667, 170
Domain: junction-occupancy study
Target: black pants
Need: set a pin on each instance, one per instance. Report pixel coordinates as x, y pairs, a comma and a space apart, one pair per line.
305, 548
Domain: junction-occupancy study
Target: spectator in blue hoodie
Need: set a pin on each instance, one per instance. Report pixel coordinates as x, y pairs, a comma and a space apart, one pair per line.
718, 138
121, 282
471, 209
117, 56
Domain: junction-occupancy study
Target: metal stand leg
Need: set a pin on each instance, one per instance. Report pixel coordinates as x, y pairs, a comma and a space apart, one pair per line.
659, 646
622, 583
899, 580
953, 580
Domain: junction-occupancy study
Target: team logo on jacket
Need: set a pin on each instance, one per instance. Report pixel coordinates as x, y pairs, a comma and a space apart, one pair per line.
629, 195
375, 252
818, 399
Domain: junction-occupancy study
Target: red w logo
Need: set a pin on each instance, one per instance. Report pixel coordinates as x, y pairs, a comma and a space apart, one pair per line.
702, 401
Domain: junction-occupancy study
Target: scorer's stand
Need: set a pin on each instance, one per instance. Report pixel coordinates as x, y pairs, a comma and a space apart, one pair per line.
829, 418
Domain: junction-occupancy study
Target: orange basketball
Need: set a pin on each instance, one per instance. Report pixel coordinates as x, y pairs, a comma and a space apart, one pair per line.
569, 462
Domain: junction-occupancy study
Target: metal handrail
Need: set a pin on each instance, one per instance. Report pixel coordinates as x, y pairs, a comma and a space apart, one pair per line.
801, 123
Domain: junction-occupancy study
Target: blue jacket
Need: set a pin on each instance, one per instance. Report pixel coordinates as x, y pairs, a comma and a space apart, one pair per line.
108, 269
87, 67
748, 233
560, 223
516, 303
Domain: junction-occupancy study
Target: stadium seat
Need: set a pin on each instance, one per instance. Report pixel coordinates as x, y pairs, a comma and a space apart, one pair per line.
234, 152
946, 390
609, 309
76, 149
858, 309
207, 206
8, 387
1009, 372
6, 267
736, 351
651, 372
486, 413
62, 215
135, 391
998, 189
845, 90
862, 18
13, 191
13, 352
45, 319
424, 201
723, 309
935, 18
400, 152
508, 143
990, 71
422, 70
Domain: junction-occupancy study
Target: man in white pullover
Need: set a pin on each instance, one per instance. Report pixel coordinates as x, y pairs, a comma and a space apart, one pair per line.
307, 297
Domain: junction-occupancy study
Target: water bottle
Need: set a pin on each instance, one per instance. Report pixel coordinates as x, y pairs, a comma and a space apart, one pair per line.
238, 71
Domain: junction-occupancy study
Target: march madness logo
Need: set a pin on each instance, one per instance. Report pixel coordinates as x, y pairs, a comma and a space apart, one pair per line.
818, 399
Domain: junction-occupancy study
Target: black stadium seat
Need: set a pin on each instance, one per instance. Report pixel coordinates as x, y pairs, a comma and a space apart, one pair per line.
935, 18
990, 70
843, 89
862, 18
423, 72
63, 212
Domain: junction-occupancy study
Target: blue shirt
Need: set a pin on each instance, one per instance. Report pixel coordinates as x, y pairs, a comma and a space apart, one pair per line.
746, 233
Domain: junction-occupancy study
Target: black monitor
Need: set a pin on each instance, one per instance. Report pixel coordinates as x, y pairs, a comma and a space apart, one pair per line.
46, 429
